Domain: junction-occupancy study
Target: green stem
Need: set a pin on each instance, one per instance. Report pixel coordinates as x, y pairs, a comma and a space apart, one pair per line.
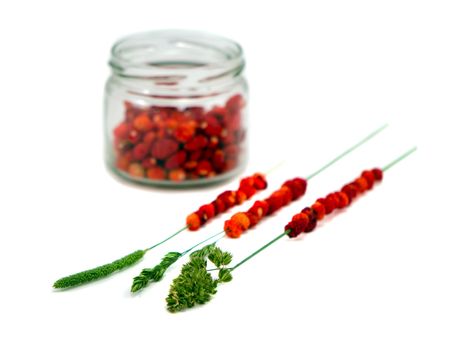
99, 272
402, 157
261, 249
205, 240
168, 238
346, 152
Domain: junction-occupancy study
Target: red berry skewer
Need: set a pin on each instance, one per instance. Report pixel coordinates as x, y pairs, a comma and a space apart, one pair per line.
288, 192
306, 220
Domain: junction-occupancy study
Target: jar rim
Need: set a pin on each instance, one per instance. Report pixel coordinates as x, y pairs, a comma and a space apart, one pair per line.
171, 56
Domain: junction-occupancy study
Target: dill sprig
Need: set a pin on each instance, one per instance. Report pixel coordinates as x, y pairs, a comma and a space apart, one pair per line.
195, 285
99, 272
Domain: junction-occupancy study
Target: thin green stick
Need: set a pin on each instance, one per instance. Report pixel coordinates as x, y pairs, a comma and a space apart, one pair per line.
402, 157
349, 150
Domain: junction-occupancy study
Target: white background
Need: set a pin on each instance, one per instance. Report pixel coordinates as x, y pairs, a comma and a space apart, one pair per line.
384, 274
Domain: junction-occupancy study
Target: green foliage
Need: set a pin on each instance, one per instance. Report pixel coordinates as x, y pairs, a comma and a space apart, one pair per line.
99, 272
204, 252
195, 285
154, 274
225, 275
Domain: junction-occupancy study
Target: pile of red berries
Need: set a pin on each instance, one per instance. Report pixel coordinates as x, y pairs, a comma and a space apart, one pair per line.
240, 222
226, 200
166, 143
306, 220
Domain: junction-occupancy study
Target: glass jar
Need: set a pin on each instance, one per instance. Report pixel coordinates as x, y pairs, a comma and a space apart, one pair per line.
175, 109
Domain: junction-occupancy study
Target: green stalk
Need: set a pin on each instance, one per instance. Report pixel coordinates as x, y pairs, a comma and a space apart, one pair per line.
99, 272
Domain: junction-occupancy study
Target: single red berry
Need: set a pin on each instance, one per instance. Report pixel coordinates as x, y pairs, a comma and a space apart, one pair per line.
123, 161
229, 198
235, 104
378, 174
247, 181
368, 175
297, 186
297, 224
351, 191
208, 211
176, 160
177, 175
149, 162
134, 136
233, 122
156, 173
328, 204
260, 208
121, 131
217, 112
197, 143
242, 219
312, 219
185, 131
211, 125
218, 160
286, 193
275, 201
149, 138
232, 229
164, 148
254, 219
260, 182
142, 122
219, 206
362, 184
140, 151
248, 190
193, 222
333, 197
319, 210
136, 170
343, 200
241, 197
204, 168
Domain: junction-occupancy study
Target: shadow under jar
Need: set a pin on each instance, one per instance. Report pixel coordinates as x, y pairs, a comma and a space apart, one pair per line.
175, 109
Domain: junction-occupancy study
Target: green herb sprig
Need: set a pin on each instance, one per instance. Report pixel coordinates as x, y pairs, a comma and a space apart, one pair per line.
195, 285
156, 273
99, 272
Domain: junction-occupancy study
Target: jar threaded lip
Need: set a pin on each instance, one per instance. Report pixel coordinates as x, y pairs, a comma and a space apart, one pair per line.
173, 57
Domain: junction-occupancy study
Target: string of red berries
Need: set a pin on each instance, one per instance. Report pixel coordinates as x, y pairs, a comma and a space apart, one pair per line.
288, 192
307, 219
242, 221
226, 200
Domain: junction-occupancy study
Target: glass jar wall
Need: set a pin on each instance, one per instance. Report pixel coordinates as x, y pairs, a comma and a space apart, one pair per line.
175, 109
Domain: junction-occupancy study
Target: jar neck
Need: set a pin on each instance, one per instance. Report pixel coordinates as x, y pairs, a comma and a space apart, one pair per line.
177, 62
